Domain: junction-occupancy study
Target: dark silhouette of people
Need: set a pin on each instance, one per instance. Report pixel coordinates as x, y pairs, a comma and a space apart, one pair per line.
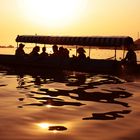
131, 58
81, 54
34, 55
63, 53
59, 52
55, 51
20, 52
44, 54
66, 53
35, 51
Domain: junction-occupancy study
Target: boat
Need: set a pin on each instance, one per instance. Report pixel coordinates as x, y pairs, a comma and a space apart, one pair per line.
105, 66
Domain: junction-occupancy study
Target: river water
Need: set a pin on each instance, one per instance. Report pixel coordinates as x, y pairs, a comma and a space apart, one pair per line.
68, 105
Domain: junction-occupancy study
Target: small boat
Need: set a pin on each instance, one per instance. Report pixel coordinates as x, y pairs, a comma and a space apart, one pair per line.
106, 66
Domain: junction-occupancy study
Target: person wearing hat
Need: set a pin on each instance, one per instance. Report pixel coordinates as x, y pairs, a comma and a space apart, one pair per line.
81, 53
19, 51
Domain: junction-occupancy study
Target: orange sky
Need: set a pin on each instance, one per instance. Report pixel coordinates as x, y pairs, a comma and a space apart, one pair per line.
68, 17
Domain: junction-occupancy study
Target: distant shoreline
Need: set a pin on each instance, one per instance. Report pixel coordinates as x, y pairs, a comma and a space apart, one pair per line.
10, 46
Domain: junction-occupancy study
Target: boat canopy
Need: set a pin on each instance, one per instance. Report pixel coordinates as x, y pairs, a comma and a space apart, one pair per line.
99, 41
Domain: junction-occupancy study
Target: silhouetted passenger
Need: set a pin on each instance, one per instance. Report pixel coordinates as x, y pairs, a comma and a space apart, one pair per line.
131, 58
63, 53
35, 52
20, 52
81, 54
66, 53
55, 51
43, 54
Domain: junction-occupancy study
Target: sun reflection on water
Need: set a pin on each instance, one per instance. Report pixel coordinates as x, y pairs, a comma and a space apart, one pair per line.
49, 106
51, 127
43, 125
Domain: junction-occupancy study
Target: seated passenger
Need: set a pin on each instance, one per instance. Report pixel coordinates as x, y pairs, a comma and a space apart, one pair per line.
66, 53
20, 52
81, 54
43, 54
55, 51
63, 53
131, 58
35, 52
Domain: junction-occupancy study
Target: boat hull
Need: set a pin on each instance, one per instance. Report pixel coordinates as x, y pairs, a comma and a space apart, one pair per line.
89, 65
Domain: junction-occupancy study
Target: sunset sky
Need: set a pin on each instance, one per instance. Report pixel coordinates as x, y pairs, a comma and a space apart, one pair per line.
68, 17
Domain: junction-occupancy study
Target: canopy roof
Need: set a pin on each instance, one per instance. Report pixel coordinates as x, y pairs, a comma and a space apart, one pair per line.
101, 41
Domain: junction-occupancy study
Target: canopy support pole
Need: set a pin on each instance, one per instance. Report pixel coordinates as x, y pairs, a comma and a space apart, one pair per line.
76, 51
89, 51
115, 52
123, 52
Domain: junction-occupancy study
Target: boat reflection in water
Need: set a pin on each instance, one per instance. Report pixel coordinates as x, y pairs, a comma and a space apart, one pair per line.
108, 115
59, 104
75, 86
